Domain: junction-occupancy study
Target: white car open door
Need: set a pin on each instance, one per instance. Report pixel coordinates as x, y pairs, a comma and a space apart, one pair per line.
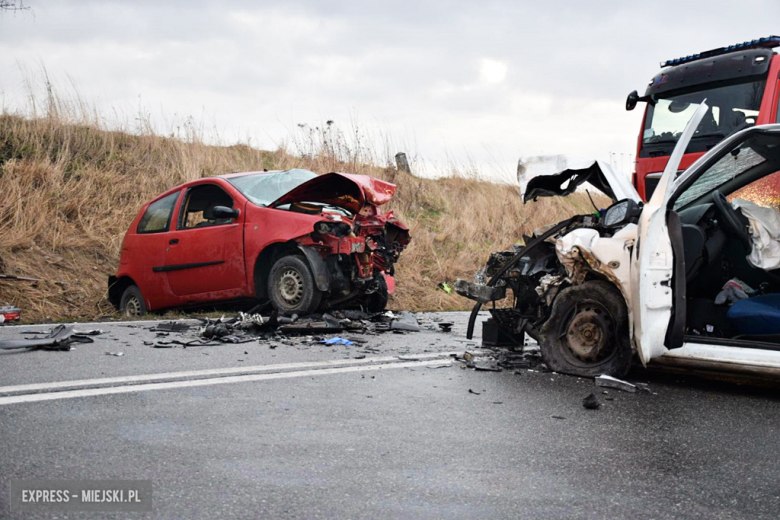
652, 265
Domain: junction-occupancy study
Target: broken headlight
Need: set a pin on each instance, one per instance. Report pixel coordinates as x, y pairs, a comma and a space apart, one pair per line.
323, 227
340, 229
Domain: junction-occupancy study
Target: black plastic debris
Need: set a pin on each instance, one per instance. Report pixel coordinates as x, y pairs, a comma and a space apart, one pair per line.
198, 342
446, 326
172, 326
240, 329
591, 402
511, 360
484, 367
311, 326
473, 392
58, 338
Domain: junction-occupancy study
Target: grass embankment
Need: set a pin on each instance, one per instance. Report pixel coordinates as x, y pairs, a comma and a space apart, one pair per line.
69, 191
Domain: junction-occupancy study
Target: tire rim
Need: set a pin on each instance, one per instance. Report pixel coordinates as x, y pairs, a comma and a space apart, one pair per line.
133, 306
291, 286
589, 333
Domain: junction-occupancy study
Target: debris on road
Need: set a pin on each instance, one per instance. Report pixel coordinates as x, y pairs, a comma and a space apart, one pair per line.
337, 341
172, 326
407, 322
58, 338
484, 367
473, 392
591, 402
446, 326
115, 354
618, 384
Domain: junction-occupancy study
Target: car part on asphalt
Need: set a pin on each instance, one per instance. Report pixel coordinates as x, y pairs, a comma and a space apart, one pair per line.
407, 323
172, 326
446, 326
606, 381
591, 402
59, 338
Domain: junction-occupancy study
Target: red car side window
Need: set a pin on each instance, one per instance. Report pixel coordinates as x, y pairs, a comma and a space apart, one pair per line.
157, 217
198, 206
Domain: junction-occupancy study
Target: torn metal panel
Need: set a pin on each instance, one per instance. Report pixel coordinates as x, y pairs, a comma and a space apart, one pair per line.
480, 292
612, 382
585, 250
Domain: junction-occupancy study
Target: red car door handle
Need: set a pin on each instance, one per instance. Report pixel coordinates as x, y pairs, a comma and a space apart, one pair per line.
173, 241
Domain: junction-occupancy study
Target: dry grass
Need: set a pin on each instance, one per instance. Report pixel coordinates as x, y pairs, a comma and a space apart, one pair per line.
70, 188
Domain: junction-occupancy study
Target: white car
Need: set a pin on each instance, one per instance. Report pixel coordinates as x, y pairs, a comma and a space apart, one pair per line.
688, 279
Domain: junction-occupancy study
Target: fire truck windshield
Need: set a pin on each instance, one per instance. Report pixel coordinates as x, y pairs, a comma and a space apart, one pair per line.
732, 107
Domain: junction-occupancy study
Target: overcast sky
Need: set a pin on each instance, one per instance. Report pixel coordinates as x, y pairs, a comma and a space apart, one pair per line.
487, 81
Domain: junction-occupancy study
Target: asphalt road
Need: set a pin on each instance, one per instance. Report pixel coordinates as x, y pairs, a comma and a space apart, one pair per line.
309, 431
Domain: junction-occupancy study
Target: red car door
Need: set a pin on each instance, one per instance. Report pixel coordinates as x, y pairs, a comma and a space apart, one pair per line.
144, 250
204, 259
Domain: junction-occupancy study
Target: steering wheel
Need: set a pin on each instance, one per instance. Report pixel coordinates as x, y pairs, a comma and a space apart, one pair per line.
733, 221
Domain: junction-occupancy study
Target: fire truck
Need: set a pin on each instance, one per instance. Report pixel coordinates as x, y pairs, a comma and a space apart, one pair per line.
741, 85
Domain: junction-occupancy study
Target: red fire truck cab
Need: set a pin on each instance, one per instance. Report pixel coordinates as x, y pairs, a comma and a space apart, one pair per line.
740, 84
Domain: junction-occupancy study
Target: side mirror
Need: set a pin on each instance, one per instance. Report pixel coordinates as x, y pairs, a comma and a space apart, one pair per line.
632, 100
621, 213
220, 212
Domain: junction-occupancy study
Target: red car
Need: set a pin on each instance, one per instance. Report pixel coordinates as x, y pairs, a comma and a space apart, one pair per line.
303, 241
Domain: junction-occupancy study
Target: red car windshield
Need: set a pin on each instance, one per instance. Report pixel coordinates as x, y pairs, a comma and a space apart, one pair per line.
264, 188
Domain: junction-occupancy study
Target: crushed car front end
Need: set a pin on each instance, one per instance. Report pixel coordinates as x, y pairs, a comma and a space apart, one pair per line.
567, 286
353, 247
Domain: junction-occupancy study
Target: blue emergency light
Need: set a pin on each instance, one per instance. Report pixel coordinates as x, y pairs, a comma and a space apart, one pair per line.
762, 43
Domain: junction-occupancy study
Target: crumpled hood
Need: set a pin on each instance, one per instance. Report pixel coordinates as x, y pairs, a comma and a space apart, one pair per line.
346, 190
569, 174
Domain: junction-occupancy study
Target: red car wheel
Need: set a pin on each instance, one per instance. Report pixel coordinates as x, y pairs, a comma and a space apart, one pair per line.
291, 286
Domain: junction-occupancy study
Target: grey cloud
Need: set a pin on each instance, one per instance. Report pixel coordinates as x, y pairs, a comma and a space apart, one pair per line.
414, 64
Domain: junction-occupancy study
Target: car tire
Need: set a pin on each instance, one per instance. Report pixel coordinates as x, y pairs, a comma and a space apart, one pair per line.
377, 300
291, 287
132, 304
587, 332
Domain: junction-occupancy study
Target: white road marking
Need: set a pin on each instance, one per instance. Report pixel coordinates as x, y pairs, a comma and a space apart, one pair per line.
165, 376
90, 392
